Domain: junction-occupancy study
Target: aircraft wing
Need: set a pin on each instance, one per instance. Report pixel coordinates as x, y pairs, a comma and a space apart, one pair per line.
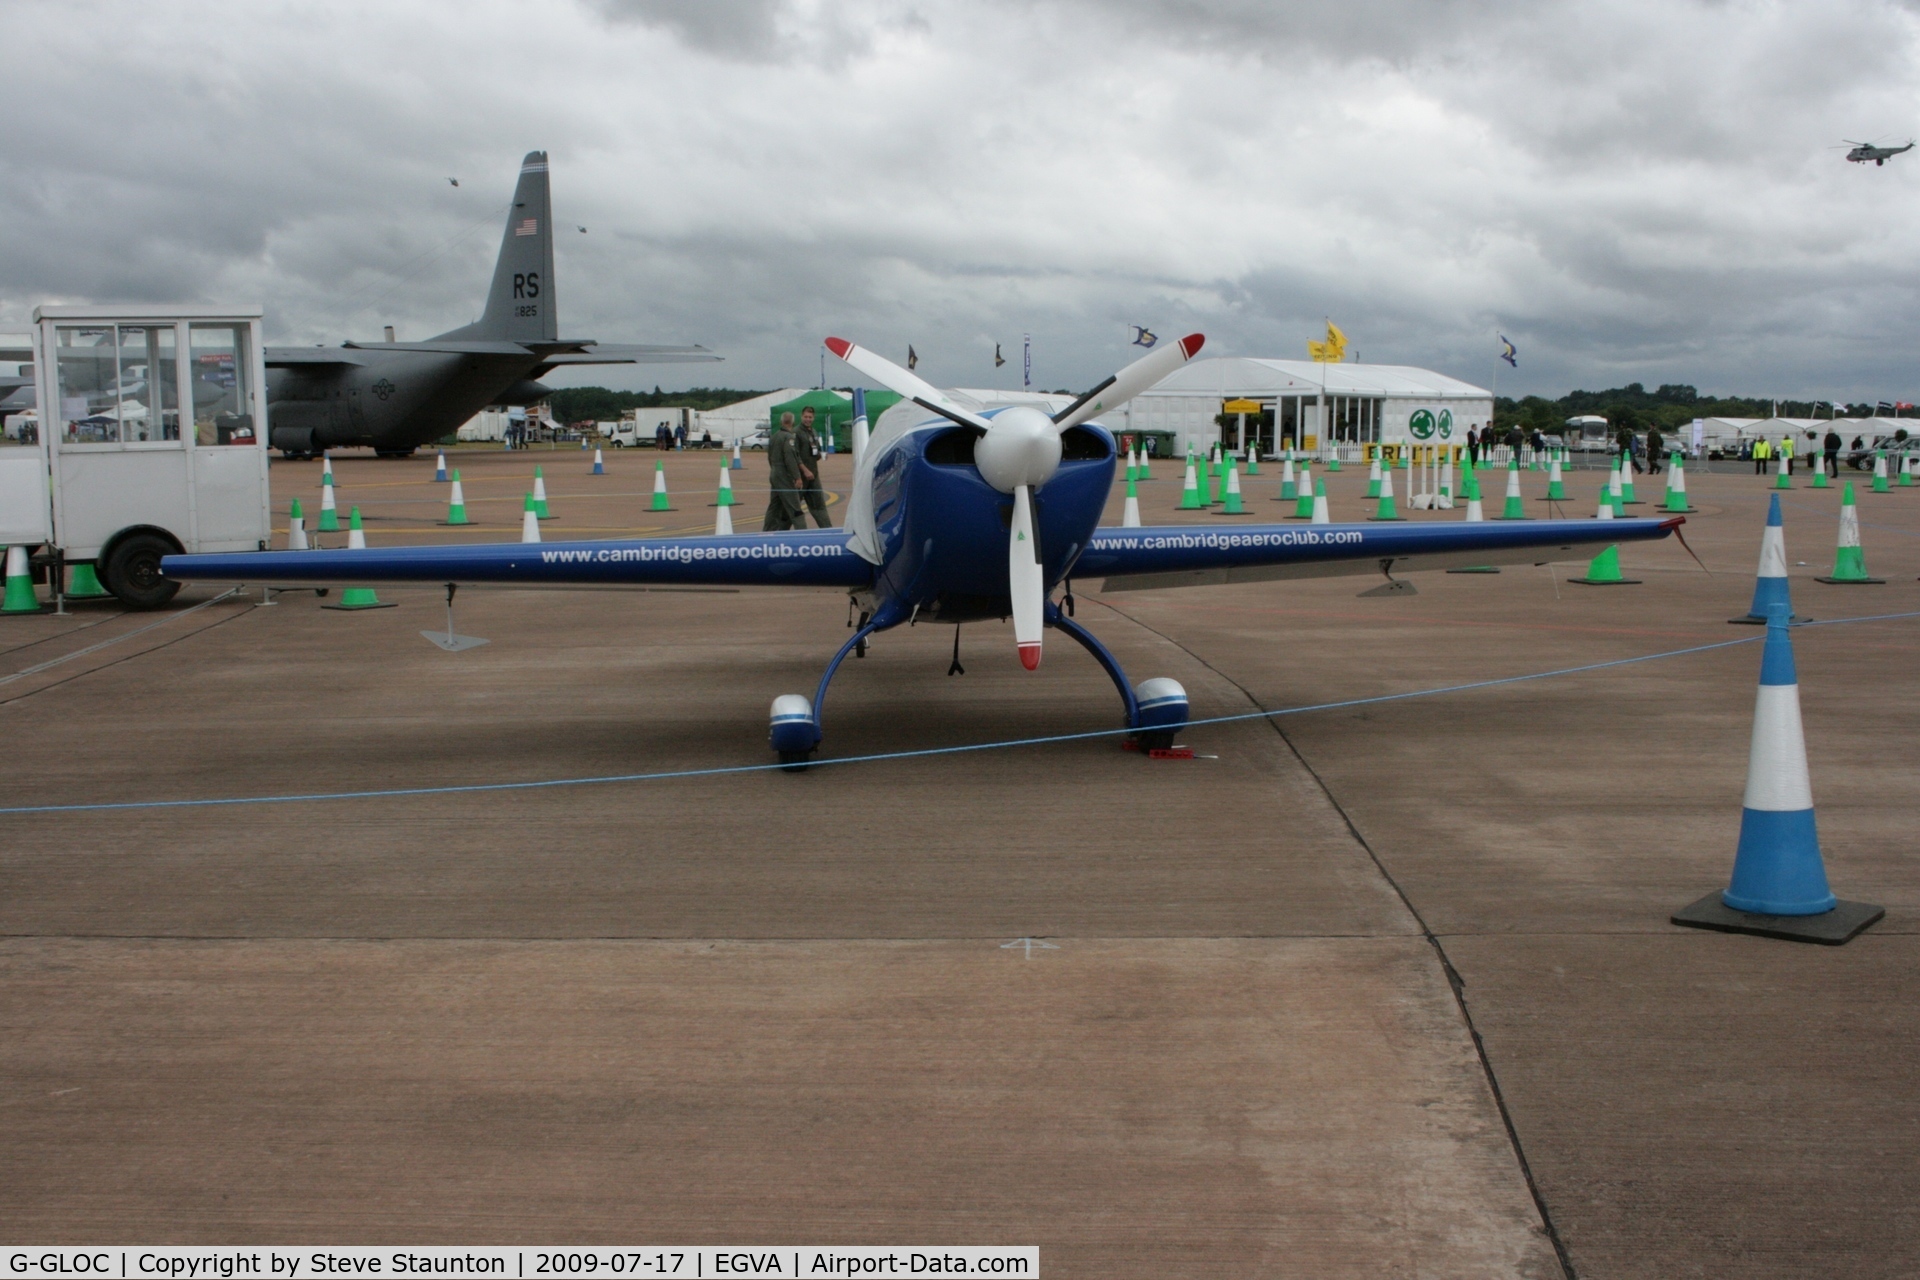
1193, 555
631, 353
816, 558
310, 357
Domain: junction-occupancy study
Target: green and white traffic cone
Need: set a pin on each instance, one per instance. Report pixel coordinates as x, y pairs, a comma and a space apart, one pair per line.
540, 496
83, 583
1906, 472
660, 488
1214, 480
1146, 464
296, 528
1820, 480
356, 598
1849, 560
1234, 505
1190, 495
1604, 571
725, 498
1514, 508
1303, 504
1880, 472
1677, 487
1556, 483
329, 517
1333, 463
20, 596
1253, 459
1130, 514
1781, 480
1321, 514
1628, 498
457, 503
1289, 483
1133, 467
1386, 509
1373, 478
529, 519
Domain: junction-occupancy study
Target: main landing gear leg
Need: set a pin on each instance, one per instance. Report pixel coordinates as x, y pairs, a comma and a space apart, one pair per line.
1156, 709
795, 731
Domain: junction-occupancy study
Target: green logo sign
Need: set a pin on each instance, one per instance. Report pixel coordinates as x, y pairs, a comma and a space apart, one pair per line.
1446, 424
1421, 424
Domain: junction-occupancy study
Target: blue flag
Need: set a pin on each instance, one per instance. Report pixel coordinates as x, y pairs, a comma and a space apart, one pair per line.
1509, 352
1143, 336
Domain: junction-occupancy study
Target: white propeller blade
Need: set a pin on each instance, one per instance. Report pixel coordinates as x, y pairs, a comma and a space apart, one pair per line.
910, 385
1025, 581
1129, 382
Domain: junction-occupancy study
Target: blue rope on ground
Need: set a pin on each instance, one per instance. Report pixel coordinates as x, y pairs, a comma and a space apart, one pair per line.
723, 770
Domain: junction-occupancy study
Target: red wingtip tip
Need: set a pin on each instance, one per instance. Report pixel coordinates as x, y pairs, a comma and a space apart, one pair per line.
839, 347
1192, 343
1030, 656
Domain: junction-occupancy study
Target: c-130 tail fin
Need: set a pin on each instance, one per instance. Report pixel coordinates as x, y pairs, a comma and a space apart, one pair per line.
521, 304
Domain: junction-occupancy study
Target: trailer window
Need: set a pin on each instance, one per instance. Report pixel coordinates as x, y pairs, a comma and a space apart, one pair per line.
149, 384
118, 384
220, 392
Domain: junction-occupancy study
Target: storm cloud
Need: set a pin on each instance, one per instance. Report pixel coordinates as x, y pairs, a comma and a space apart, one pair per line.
1630, 191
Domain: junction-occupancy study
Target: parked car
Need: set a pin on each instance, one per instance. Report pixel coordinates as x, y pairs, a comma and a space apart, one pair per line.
1897, 451
758, 440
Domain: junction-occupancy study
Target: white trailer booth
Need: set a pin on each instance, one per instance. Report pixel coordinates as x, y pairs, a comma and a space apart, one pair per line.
1312, 406
149, 439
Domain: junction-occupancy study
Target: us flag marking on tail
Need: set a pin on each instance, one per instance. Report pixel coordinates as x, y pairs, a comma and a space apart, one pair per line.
527, 228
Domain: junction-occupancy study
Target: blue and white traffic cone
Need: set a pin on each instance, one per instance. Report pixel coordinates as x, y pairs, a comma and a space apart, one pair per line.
440, 469
599, 464
1770, 584
736, 455
1779, 886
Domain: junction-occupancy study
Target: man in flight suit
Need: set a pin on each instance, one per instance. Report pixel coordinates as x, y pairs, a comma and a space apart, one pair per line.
783, 475
807, 445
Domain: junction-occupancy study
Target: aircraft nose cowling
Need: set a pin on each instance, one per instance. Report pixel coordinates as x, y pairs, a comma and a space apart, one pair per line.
1022, 446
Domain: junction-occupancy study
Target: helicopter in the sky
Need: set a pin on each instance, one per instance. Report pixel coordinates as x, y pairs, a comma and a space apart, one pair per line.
1865, 151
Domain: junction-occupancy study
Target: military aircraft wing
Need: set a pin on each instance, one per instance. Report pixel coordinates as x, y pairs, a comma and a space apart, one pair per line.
449, 346
311, 357
631, 353
1189, 555
816, 558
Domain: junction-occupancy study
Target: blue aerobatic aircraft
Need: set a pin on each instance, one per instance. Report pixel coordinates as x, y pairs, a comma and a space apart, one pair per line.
960, 511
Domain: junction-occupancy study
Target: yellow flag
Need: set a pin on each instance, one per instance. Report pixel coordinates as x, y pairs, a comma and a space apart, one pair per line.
1333, 350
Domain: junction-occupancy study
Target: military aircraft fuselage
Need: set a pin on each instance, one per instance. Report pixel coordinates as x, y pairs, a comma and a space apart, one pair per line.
393, 401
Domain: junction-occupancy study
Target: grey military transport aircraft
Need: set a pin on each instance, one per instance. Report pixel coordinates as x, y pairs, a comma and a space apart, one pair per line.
397, 396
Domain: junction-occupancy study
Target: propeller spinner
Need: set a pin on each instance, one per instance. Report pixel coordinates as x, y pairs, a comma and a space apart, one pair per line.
1018, 451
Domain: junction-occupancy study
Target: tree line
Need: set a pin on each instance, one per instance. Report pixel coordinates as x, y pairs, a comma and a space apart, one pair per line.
1669, 407
598, 404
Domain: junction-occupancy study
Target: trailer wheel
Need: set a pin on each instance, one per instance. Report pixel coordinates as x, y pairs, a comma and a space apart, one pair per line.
132, 572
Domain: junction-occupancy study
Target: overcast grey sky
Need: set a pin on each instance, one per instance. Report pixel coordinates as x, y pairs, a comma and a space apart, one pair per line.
1631, 190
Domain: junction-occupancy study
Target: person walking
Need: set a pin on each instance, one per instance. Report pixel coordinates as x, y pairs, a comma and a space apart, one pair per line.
1626, 449
1832, 444
783, 479
1656, 446
807, 445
